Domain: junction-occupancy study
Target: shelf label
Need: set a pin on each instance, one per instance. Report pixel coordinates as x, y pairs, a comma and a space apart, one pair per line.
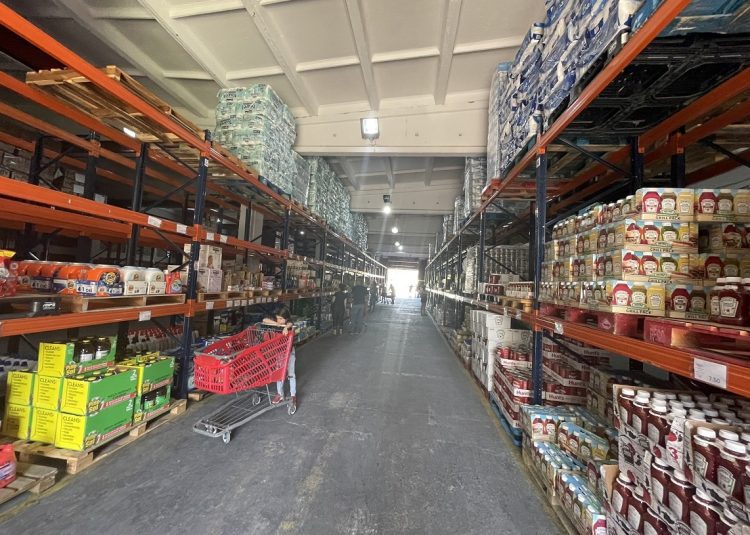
144, 315
709, 372
519, 315
181, 229
559, 328
223, 239
210, 236
154, 221
244, 302
209, 305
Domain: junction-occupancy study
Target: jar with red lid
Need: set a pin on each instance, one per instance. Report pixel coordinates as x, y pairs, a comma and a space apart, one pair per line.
651, 233
733, 303
707, 202
657, 425
679, 299
681, 492
636, 508
639, 418
622, 294
661, 475
653, 524
649, 264
705, 453
704, 513
731, 468
651, 202
625, 402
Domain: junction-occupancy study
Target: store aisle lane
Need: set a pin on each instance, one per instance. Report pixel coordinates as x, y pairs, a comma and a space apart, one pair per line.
390, 437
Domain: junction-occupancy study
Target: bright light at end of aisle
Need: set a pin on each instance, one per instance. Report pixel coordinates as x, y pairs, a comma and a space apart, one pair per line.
400, 247
397, 244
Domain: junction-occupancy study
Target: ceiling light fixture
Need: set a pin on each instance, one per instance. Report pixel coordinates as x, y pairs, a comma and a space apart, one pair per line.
370, 127
386, 204
400, 247
128, 131
397, 244
301, 232
394, 229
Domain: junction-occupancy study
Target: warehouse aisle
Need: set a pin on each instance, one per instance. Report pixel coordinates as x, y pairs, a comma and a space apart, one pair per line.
390, 437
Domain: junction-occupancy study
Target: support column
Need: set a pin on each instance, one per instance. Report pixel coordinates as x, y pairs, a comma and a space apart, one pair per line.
540, 218
136, 202
480, 255
677, 176
636, 162
321, 256
83, 247
284, 247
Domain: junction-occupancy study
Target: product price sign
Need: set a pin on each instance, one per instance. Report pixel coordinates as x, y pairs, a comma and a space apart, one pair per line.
154, 221
181, 229
709, 372
222, 238
210, 236
209, 305
144, 315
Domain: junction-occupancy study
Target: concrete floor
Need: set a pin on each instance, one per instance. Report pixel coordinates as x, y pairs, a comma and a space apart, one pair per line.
391, 436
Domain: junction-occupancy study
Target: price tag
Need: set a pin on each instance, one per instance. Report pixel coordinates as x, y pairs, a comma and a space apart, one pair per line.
210, 236
154, 221
222, 238
144, 315
559, 328
709, 372
244, 302
182, 229
209, 305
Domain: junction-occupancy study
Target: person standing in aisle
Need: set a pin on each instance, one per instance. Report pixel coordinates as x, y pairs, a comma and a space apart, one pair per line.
373, 295
282, 317
423, 298
392, 294
359, 300
338, 310
411, 290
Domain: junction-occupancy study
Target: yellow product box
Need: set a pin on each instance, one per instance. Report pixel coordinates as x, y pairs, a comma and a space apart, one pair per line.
76, 432
47, 392
17, 421
20, 388
88, 393
722, 205
60, 359
44, 425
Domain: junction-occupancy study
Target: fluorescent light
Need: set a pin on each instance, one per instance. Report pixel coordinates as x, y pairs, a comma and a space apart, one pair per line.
387, 209
397, 244
128, 131
370, 128
302, 232
394, 229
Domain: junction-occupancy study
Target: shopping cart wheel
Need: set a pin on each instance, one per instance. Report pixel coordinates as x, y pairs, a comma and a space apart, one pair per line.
256, 399
226, 437
292, 408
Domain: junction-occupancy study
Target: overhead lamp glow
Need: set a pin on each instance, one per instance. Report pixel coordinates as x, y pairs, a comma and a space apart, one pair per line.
128, 131
387, 209
370, 127
394, 229
400, 247
397, 244
301, 232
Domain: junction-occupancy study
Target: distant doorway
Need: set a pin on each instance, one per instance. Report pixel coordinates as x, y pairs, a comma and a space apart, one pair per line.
404, 281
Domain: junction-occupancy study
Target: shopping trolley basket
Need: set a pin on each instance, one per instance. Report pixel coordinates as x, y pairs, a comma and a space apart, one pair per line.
243, 365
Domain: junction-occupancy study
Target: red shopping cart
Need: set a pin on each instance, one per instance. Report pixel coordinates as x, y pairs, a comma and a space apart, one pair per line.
243, 365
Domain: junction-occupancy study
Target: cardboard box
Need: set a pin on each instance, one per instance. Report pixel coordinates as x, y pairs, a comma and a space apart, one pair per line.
656, 236
209, 256
665, 204
644, 298
209, 280
44, 425
20, 390
89, 393
152, 404
157, 288
47, 390
152, 372
722, 205
58, 359
17, 420
79, 433
688, 301
135, 288
711, 266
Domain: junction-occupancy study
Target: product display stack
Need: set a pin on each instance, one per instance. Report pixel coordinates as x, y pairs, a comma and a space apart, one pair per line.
327, 196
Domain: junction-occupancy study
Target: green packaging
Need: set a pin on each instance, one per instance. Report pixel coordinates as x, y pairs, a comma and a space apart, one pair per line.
152, 404
75, 432
59, 359
88, 393
154, 371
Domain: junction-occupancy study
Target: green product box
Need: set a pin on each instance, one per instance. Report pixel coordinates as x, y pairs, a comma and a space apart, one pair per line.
75, 432
17, 421
59, 359
152, 404
47, 391
91, 392
44, 425
154, 371
20, 389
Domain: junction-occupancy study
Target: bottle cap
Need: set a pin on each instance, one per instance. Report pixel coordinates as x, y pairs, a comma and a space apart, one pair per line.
706, 432
726, 434
735, 447
703, 495
733, 280
628, 392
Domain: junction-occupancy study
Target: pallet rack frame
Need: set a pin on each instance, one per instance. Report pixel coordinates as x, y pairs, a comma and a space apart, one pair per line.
84, 217
669, 139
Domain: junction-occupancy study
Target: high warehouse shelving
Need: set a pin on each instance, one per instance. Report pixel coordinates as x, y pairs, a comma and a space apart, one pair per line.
688, 130
169, 159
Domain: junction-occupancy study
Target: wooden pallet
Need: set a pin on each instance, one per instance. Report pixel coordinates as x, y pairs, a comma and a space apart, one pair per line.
165, 299
698, 335
211, 296
32, 478
69, 86
76, 461
198, 395
80, 303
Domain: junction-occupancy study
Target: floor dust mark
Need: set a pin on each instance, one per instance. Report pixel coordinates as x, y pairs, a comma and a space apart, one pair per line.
420, 375
360, 522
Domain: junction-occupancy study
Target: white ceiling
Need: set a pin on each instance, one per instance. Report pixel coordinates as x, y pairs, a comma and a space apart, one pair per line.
422, 66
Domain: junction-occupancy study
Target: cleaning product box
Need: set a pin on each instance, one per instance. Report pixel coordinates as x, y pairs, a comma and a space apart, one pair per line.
17, 421
88, 393
47, 390
20, 389
154, 371
76, 432
152, 404
60, 359
44, 425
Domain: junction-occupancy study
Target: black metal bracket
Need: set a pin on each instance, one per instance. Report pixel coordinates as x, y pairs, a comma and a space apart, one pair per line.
588, 154
726, 152
164, 198
174, 246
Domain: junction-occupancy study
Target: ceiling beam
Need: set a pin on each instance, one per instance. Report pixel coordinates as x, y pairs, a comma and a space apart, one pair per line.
493, 44
121, 13
280, 51
447, 44
260, 72
389, 172
346, 165
410, 53
206, 7
428, 171
191, 43
357, 22
109, 32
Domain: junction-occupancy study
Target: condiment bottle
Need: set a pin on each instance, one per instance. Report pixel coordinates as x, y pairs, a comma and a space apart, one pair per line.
704, 513
731, 468
639, 418
661, 475
621, 494
713, 299
636, 507
680, 493
627, 396
695, 414
652, 524
727, 520
733, 303
705, 453
657, 425
726, 434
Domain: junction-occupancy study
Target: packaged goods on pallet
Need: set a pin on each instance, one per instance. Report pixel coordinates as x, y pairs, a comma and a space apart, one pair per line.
327, 196
459, 214
256, 125
361, 230
301, 179
475, 178
702, 16
470, 270
448, 227
507, 259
